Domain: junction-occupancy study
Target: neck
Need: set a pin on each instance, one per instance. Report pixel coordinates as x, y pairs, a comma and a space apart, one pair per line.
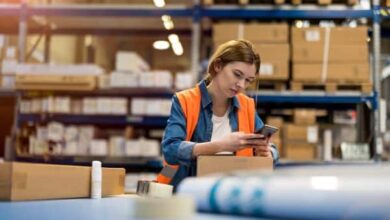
218, 100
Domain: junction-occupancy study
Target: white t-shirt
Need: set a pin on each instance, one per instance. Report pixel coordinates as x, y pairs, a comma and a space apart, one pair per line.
221, 127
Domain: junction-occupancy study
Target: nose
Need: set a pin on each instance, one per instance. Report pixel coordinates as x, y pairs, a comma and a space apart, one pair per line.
241, 83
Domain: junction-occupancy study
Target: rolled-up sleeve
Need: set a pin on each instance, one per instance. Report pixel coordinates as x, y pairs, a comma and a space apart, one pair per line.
176, 150
258, 125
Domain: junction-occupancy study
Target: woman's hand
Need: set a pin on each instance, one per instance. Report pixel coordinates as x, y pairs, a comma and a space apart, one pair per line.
239, 140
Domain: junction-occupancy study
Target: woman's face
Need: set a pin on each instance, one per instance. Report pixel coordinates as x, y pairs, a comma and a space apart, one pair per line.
234, 77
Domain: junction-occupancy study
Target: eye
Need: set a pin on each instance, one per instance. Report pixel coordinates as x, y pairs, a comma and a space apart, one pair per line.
249, 80
237, 74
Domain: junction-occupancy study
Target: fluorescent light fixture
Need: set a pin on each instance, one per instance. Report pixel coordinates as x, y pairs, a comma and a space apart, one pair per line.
173, 38
167, 21
299, 24
176, 45
161, 45
159, 3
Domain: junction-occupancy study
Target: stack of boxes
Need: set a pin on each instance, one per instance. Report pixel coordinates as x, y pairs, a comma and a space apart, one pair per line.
300, 138
9, 61
270, 40
330, 55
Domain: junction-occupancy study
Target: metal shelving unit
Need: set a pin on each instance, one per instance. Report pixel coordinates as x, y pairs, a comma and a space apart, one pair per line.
197, 12
144, 121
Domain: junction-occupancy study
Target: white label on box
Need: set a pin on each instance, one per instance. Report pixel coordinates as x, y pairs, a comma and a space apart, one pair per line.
71, 148
266, 69
312, 35
138, 106
312, 134
8, 81
132, 148
55, 131
2, 40
10, 53
98, 147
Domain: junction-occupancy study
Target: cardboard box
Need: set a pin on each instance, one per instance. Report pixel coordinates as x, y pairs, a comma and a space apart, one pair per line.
28, 181
274, 70
299, 151
304, 116
306, 53
347, 72
254, 32
304, 133
337, 35
217, 164
273, 51
275, 121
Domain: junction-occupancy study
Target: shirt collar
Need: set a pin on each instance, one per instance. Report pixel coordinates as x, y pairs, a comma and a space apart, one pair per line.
206, 99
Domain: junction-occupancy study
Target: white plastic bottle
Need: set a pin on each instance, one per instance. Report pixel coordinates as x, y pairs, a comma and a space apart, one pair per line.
96, 180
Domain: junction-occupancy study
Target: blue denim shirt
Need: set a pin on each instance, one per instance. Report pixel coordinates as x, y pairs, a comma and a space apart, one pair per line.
177, 151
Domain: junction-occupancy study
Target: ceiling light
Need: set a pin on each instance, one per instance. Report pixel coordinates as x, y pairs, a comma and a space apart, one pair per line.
161, 45
159, 3
167, 21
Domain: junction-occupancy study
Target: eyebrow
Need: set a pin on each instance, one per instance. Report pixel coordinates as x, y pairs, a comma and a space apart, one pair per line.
251, 77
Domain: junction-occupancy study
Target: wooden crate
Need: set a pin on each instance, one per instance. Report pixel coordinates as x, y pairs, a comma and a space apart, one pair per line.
331, 87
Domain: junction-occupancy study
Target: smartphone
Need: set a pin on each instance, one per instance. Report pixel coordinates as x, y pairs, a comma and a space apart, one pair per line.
267, 130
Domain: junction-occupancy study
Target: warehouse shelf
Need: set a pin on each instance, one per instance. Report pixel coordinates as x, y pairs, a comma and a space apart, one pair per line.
8, 92
128, 92
313, 97
197, 12
108, 10
9, 10
284, 13
145, 121
151, 162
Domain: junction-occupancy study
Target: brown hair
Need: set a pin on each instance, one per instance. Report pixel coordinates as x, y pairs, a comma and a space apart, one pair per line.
231, 51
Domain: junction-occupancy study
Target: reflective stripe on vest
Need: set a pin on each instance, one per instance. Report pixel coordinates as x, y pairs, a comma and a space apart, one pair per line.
190, 102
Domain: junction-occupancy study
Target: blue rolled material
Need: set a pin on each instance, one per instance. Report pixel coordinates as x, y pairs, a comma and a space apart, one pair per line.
330, 193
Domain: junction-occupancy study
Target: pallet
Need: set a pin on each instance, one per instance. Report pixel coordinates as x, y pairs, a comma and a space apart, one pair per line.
331, 87
278, 2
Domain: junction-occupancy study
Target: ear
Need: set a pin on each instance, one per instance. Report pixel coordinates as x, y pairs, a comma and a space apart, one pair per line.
218, 65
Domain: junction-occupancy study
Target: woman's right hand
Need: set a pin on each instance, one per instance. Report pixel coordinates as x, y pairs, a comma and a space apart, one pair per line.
238, 140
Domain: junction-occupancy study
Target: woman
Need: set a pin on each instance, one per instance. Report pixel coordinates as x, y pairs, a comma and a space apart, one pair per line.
215, 117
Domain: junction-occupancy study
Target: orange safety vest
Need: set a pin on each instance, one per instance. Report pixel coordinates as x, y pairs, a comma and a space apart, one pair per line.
190, 101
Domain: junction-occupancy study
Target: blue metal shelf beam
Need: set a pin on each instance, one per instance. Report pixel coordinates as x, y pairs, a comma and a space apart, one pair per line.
155, 121
313, 99
275, 13
109, 11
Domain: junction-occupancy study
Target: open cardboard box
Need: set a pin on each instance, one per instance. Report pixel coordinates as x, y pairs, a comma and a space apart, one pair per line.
218, 164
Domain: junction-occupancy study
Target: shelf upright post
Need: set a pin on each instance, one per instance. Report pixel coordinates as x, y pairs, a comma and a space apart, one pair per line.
195, 40
22, 31
378, 148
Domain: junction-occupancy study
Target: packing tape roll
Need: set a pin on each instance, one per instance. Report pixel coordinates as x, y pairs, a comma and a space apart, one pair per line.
159, 190
178, 207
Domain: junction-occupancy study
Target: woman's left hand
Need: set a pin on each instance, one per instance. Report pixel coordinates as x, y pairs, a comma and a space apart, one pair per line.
263, 148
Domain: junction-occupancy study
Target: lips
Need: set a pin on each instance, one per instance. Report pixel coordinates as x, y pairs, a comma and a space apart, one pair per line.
234, 91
